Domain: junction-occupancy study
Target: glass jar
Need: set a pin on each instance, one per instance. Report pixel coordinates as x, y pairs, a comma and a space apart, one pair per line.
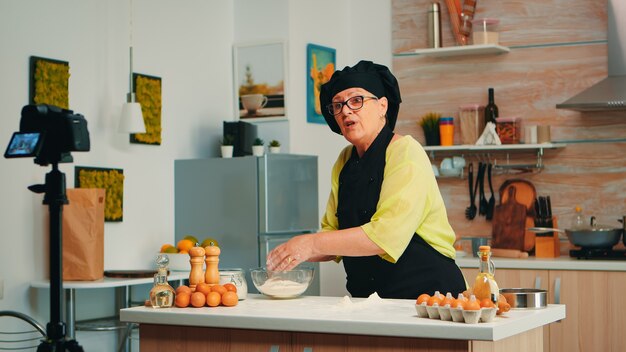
236, 277
472, 122
162, 294
509, 129
446, 130
484, 31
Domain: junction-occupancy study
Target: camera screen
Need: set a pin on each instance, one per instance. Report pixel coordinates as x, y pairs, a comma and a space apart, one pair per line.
23, 145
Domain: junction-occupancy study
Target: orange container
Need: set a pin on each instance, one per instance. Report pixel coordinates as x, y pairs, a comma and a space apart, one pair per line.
548, 245
446, 130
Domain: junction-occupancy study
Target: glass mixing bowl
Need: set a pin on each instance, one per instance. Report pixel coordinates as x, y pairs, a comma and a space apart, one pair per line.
282, 284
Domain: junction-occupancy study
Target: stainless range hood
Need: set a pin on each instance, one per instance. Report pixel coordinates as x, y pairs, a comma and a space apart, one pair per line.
609, 93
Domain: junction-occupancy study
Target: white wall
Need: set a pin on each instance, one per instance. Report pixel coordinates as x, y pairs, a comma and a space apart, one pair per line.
358, 30
187, 44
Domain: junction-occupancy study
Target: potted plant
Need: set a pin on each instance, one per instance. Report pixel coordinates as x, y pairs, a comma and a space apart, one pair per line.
227, 146
430, 125
257, 147
274, 146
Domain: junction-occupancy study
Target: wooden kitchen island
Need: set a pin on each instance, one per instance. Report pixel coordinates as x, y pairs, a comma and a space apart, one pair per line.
314, 324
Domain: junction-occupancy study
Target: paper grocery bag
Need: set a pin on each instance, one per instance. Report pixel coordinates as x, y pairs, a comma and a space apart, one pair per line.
83, 234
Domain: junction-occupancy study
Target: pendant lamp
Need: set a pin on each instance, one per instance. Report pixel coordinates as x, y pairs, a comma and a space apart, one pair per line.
132, 118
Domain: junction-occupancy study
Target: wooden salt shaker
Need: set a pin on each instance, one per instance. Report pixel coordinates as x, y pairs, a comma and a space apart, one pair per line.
212, 274
196, 275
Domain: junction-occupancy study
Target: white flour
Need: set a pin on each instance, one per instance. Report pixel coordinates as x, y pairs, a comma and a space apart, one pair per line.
282, 288
346, 303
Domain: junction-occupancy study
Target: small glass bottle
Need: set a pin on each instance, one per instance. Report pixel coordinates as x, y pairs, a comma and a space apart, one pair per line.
578, 220
485, 285
491, 110
162, 294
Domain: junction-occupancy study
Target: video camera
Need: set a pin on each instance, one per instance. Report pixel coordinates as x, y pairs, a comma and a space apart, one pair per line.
49, 134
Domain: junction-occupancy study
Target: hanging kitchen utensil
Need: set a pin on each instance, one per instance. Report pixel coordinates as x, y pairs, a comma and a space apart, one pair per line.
492, 200
509, 223
470, 212
482, 201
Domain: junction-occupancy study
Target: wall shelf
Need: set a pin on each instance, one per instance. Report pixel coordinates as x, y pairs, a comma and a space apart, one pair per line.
493, 148
465, 50
499, 149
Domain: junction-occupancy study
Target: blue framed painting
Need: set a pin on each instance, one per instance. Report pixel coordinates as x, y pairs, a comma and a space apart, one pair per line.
320, 65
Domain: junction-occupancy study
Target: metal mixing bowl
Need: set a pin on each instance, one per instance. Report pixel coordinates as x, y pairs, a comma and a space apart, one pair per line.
525, 298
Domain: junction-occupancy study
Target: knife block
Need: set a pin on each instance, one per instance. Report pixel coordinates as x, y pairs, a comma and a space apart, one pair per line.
547, 244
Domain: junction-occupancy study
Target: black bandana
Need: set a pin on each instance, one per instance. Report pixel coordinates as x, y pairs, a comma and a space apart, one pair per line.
375, 78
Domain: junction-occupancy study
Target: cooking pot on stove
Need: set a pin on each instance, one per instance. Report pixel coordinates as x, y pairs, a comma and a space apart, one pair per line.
593, 236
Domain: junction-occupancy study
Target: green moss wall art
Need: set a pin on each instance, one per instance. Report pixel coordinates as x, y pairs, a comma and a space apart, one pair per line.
148, 94
111, 180
49, 82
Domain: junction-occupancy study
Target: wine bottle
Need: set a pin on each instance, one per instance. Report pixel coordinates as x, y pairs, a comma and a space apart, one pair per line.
491, 110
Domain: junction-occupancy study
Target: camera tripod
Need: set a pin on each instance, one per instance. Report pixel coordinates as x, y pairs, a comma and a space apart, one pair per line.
55, 197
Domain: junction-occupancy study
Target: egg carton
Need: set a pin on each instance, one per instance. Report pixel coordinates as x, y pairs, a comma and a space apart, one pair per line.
459, 315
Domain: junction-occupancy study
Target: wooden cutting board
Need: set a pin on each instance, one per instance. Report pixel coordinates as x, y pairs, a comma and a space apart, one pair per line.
509, 223
525, 194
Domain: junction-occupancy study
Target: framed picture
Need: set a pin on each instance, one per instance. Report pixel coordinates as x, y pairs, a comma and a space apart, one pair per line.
111, 180
49, 82
148, 94
260, 75
320, 66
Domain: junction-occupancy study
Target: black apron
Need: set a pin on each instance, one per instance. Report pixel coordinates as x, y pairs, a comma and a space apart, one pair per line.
420, 269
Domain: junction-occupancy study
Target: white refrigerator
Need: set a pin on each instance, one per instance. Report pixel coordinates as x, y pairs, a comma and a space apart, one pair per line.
248, 204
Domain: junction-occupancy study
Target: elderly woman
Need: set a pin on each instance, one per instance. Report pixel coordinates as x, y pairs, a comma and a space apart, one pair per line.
385, 217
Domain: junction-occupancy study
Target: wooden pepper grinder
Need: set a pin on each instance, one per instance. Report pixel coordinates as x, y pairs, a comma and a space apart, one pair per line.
212, 274
196, 275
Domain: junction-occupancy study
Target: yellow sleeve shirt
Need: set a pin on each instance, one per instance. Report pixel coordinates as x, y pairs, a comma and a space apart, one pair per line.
409, 203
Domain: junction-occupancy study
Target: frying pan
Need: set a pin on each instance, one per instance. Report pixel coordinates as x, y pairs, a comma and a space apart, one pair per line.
597, 236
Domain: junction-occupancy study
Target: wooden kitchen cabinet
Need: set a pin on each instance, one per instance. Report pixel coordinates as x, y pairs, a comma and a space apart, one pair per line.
186, 338
594, 301
317, 342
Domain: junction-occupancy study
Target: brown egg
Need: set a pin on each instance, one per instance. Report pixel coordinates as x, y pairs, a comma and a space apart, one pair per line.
422, 298
213, 299
230, 299
182, 299
198, 299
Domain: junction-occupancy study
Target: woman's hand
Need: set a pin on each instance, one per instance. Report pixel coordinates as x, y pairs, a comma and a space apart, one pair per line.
291, 253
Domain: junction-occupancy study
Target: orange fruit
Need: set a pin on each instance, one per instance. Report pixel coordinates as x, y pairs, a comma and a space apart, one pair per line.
230, 299
165, 246
203, 287
219, 289
213, 299
184, 245
230, 287
183, 289
182, 299
422, 298
198, 299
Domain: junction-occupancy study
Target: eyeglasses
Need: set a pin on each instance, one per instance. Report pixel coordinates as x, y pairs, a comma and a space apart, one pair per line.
354, 103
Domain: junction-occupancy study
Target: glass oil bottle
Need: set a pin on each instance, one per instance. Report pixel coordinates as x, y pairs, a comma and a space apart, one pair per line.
485, 285
162, 294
